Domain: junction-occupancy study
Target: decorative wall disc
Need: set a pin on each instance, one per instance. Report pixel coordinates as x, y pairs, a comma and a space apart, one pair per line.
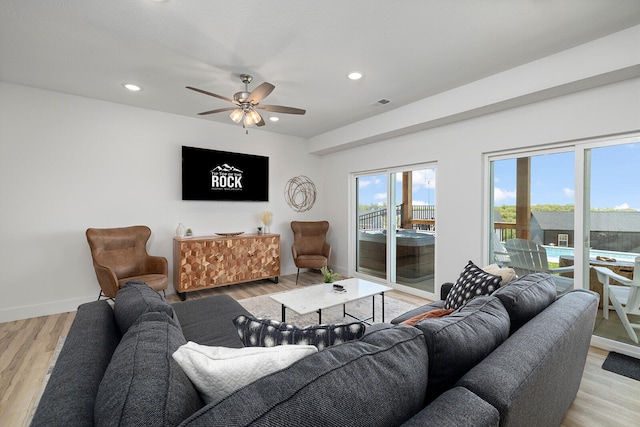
300, 193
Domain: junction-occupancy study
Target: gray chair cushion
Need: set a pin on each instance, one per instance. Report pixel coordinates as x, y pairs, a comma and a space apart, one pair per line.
459, 341
143, 385
379, 380
70, 395
209, 321
527, 296
134, 299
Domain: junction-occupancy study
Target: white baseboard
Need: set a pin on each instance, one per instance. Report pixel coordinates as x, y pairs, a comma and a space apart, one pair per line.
618, 347
55, 307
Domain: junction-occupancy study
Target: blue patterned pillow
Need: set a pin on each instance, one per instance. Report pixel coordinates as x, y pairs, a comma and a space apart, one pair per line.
256, 332
473, 282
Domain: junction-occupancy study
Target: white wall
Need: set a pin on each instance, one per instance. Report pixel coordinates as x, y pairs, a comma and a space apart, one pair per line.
458, 150
68, 163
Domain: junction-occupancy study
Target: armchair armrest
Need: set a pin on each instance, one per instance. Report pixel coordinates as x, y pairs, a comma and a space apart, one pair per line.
567, 269
326, 250
445, 289
157, 264
604, 271
107, 280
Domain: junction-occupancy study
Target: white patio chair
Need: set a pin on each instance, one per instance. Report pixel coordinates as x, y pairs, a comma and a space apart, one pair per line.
625, 300
500, 255
527, 257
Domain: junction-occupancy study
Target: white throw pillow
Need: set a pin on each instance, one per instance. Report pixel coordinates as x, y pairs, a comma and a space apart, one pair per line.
217, 372
507, 274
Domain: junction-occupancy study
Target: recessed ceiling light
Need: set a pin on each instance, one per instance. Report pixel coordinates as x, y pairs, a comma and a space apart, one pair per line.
274, 118
355, 75
132, 87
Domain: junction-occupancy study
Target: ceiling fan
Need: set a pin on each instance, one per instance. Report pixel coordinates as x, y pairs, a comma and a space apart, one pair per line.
247, 103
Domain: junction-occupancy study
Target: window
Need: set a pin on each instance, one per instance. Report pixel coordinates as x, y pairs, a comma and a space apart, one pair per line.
563, 239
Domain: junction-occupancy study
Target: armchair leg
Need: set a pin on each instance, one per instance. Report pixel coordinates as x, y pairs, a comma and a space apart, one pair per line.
297, 274
102, 295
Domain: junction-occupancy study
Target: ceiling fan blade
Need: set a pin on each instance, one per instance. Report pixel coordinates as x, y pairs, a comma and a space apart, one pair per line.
261, 92
280, 109
219, 110
261, 122
212, 94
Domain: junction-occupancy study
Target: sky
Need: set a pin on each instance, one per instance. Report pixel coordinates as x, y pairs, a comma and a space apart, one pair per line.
615, 180
373, 189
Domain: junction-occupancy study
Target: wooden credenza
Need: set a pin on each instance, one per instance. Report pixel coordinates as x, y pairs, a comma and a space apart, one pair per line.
210, 261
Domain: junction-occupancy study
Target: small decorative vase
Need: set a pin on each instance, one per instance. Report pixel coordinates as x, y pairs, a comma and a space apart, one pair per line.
180, 230
266, 229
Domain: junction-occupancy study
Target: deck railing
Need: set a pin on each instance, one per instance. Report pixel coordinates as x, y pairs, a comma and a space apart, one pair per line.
378, 219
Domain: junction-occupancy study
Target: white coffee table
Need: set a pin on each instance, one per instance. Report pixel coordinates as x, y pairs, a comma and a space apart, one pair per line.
316, 298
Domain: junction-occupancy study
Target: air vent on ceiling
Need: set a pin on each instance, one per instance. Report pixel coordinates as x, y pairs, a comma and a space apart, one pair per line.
380, 102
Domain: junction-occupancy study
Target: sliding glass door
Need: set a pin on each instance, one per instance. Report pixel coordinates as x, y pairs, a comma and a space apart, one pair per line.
581, 205
613, 226
396, 227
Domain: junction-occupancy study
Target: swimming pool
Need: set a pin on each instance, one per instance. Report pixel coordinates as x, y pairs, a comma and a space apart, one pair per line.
555, 252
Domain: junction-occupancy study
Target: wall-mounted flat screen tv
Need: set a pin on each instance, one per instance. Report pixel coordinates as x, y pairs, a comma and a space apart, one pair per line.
221, 175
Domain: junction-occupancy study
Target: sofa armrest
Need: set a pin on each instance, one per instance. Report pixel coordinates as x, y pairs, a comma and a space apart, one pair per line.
457, 407
535, 374
69, 398
445, 289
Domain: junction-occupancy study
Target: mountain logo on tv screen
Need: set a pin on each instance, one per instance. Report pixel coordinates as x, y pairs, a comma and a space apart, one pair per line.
226, 177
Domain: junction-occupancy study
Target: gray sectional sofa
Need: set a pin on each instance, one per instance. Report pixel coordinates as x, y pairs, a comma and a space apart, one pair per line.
513, 358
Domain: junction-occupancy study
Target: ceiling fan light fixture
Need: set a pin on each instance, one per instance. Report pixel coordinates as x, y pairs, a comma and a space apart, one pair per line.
236, 115
253, 116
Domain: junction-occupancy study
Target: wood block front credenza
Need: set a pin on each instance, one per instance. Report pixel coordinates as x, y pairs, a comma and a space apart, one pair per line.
204, 262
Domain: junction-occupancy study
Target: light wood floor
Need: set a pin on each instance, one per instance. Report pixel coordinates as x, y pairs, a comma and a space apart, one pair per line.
605, 399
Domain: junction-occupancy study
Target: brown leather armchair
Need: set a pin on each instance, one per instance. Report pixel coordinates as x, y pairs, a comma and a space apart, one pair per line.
310, 248
120, 255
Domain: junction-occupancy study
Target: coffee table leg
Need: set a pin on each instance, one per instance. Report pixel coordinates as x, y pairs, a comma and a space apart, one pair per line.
373, 308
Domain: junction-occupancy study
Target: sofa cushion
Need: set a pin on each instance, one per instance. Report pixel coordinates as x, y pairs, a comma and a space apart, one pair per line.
456, 407
256, 332
457, 342
209, 321
379, 380
218, 371
526, 297
473, 282
143, 385
134, 299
